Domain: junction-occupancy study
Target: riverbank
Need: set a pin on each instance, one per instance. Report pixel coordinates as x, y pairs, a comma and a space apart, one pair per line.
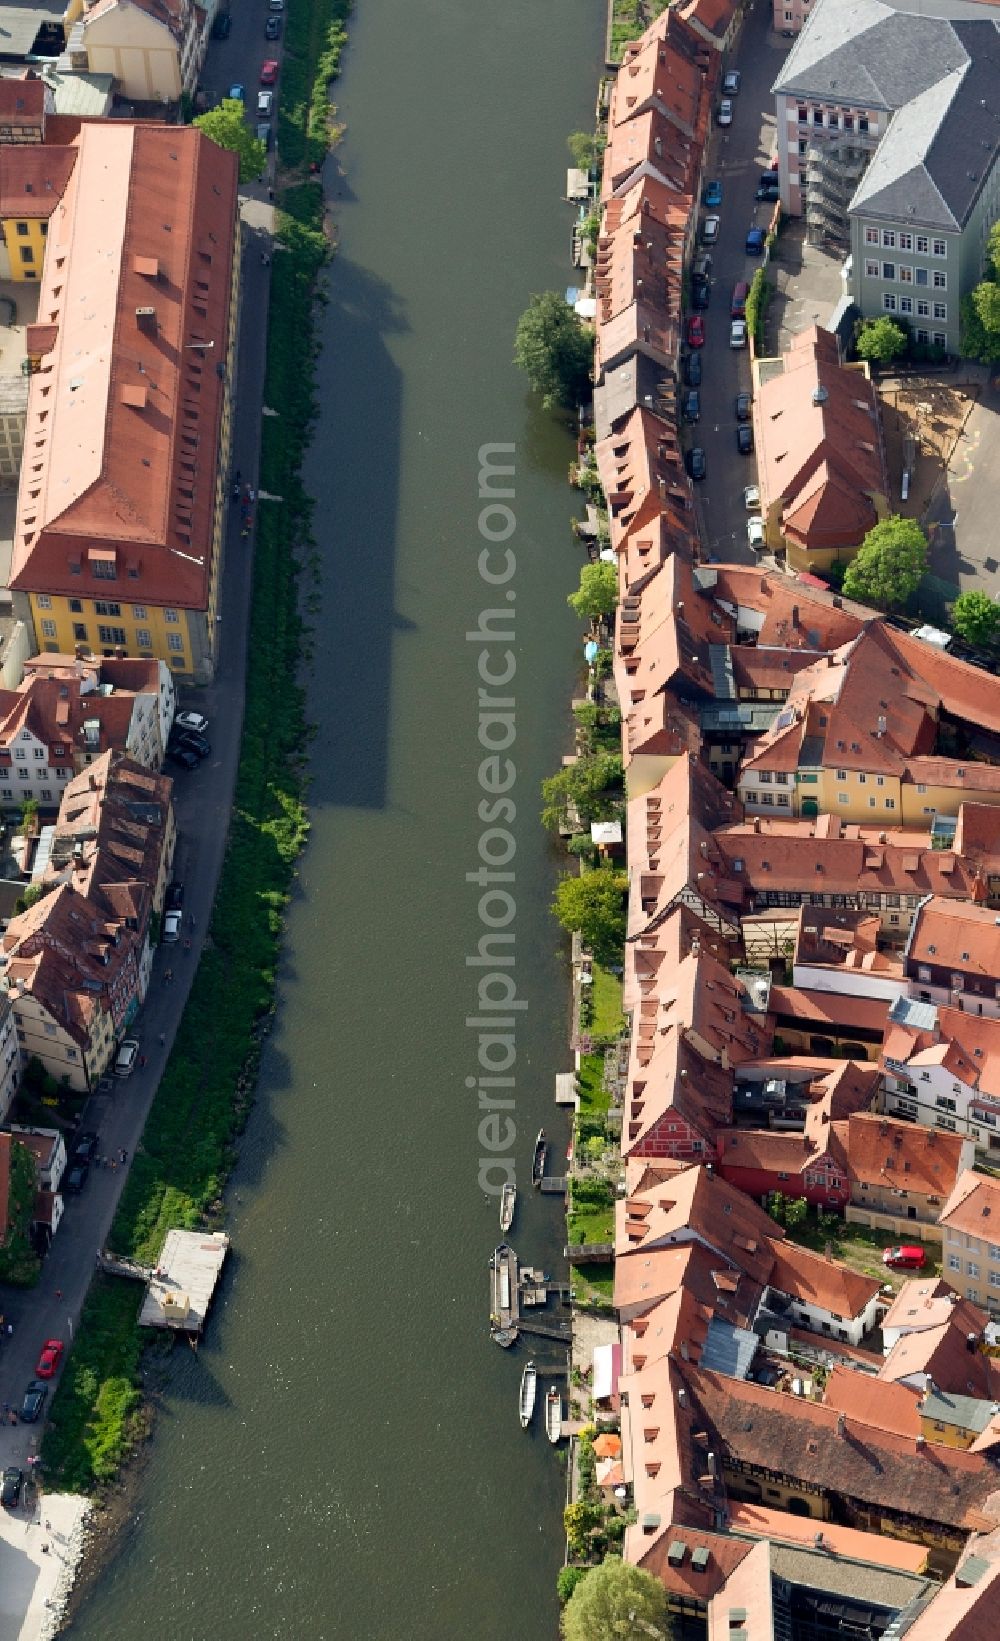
187, 1148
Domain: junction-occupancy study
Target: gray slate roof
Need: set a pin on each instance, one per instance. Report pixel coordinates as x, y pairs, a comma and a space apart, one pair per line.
939, 77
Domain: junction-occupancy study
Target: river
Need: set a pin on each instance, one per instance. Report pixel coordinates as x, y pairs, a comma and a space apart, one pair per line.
342, 1459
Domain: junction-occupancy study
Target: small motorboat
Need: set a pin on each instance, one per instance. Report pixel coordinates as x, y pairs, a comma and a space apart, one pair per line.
553, 1414
538, 1161
508, 1198
529, 1384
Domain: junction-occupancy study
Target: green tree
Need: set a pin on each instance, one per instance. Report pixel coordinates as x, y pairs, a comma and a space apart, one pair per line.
889, 563
980, 323
592, 785
554, 350
796, 1211
594, 906
569, 1578
881, 340
586, 148
226, 125
19, 1263
579, 1521
617, 1600
975, 616
597, 594
993, 251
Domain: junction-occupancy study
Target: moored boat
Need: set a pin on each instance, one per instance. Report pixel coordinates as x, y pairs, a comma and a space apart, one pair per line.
553, 1415
508, 1198
538, 1161
529, 1384
503, 1295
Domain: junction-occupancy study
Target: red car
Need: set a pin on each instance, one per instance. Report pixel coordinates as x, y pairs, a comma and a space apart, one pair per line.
696, 331
908, 1258
269, 72
50, 1358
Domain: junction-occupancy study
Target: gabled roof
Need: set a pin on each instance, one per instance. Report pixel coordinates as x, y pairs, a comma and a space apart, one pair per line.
965, 1607
695, 1202
825, 1283
872, 1401
884, 1151
950, 934
974, 1207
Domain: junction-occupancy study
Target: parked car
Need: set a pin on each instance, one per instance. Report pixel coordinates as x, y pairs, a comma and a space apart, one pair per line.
272, 28
262, 131
701, 293
84, 1147
10, 1487
192, 743
695, 462
731, 82
48, 1361
74, 1179
191, 720
769, 190
222, 26
751, 497
238, 93
692, 405
909, 1257
265, 100
692, 370
744, 439
182, 756
710, 230
755, 531
276, 5
269, 72
738, 300
34, 1401
755, 242
743, 403
173, 900
713, 193
724, 116
738, 333
696, 331
172, 924
128, 1053
702, 266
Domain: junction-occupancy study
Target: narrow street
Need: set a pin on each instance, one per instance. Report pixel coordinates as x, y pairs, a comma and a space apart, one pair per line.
737, 157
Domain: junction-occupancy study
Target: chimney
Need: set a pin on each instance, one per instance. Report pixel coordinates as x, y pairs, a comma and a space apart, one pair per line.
795, 615
92, 782
841, 1425
818, 1541
682, 1397
921, 1443
145, 319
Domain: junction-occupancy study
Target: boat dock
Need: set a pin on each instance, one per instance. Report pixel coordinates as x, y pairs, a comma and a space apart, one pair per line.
554, 1184
516, 1289
182, 1285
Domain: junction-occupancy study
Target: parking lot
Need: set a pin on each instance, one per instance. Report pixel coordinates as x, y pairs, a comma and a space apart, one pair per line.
737, 157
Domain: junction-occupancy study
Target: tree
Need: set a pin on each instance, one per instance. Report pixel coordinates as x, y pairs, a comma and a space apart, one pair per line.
594, 906
554, 350
579, 1521
889, 563
975, 616
980, 320
569, 1578
19, 1264
597, 594
592, 785
227, 126
881, 340
586, 148
796, 1211
617, 1600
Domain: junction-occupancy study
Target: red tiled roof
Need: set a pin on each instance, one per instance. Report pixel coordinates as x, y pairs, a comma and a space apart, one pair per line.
883, 1151
872, 1401
974, 1207
825, 1283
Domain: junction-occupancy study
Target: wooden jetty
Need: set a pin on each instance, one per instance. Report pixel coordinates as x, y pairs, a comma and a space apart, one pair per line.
181, 1287
553, 1184
591, 1253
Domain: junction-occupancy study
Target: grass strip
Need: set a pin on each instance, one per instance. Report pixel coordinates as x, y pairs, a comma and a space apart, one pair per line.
187, 1147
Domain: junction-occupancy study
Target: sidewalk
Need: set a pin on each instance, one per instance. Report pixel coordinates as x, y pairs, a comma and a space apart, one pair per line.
37, 1566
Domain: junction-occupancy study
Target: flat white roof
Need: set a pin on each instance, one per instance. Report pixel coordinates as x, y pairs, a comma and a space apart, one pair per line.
181, 1288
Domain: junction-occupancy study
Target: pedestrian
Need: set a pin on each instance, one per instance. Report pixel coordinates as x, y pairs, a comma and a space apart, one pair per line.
114, 1165
163, 1039
10, 1330
59, 1293
13, 1416
142, 1060
123, 1156
48, 1526
270, 193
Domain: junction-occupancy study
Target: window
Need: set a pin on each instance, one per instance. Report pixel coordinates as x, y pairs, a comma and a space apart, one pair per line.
175, 640
946, 1122
843, 797
906, 304
27, 254
138, 612
143, 638
905, 275
111, 635
871, 269
922, 244
107, 609
923, 335
871, 236
923, 310
803, 117
38, 753
44, 601
889, 238
889, 302
22, 228
862, 780
940, 310
972, 1269
171, 616
888, 270
921, 276
940, 280
48, 629
890, 803
80, 632
764, 776
939, 247
906, 242
995, 1279
104, 569
940, 339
